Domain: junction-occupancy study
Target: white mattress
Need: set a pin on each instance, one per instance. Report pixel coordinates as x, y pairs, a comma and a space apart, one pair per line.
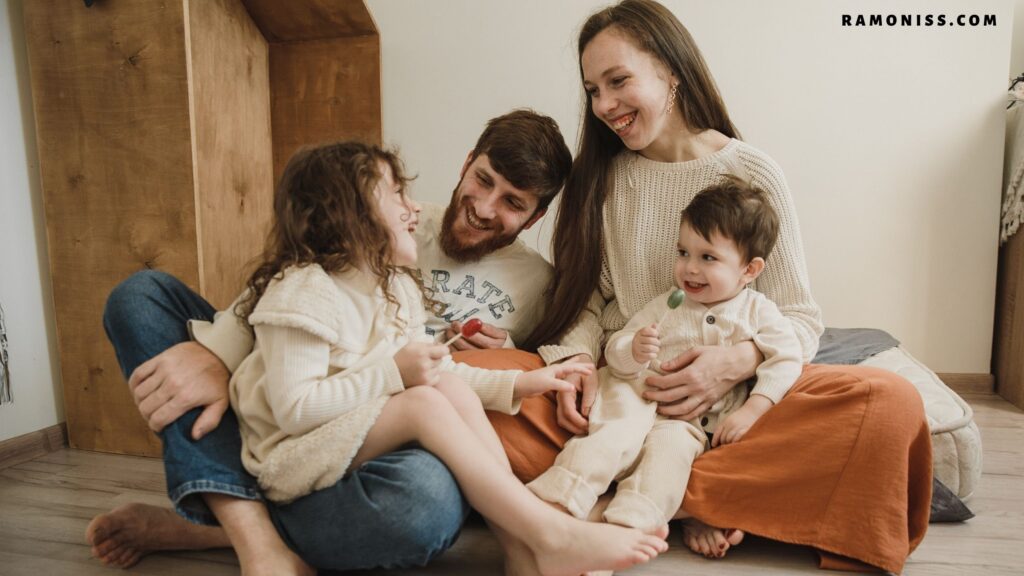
956, 441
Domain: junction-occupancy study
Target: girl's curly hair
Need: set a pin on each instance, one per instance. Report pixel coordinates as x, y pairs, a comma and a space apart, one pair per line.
325, 212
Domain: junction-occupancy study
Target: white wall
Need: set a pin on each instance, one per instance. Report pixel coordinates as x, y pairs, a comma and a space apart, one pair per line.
1017, 57
891, 138
24, 269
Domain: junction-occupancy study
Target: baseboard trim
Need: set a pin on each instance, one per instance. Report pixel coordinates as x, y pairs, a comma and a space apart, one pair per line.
969, 383
33, 445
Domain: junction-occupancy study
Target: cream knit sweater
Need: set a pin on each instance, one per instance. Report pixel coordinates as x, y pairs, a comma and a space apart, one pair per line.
641, 229
321, 370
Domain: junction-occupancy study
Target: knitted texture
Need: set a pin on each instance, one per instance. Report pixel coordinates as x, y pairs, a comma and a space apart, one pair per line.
641, 229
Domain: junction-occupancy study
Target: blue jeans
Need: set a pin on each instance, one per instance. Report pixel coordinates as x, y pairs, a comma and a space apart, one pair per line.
401, 509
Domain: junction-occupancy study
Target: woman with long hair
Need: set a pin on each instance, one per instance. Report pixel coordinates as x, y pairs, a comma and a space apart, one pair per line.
843, 462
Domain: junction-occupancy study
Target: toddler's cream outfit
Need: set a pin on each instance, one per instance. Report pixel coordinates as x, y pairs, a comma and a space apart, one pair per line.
648, 454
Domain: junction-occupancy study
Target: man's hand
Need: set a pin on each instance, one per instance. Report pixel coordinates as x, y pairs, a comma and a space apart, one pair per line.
550, 378
489, 336
570, 416
697, 378
419, 363
646, 344
183, 377
736, 424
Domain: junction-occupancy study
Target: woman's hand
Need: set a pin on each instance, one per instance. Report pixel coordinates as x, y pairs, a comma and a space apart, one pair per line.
554, 377
568, 415
419, 362
697, 378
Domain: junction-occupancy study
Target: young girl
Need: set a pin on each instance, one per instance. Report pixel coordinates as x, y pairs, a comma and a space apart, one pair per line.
343, 372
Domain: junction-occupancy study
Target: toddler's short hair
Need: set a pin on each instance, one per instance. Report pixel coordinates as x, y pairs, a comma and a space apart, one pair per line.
738, 211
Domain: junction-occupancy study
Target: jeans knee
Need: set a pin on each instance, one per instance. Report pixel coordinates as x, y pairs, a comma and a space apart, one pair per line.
125, 298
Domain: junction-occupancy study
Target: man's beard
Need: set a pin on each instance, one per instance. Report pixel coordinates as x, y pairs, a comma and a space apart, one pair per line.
460, 252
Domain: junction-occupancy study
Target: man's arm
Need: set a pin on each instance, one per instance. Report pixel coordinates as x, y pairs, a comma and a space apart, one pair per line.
183, 377
193, 374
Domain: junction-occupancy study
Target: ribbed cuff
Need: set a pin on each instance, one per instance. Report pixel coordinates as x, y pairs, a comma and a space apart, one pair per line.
553, 354
772, 389
619, 354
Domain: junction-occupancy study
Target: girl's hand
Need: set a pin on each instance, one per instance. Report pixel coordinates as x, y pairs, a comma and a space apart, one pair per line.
549, 378
418, 363
697, 378
646, 344
736, 424
572, 415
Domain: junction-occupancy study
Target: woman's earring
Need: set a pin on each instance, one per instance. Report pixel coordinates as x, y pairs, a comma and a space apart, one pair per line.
671, 99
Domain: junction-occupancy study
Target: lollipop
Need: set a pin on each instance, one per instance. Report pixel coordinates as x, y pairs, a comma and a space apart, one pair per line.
674, 300
470, 328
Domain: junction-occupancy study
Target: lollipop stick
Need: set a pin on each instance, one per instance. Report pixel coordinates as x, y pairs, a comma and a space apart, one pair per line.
453, 339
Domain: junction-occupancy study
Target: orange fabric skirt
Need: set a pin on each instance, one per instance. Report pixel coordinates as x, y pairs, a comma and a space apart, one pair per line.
841, 464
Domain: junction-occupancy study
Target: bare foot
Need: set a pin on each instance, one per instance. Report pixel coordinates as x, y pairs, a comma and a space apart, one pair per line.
519, 560
707, 540
574, 546
124, 535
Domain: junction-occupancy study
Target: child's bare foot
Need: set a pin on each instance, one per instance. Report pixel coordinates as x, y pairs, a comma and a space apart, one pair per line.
575, 546
707, 540
124, 535
519, 560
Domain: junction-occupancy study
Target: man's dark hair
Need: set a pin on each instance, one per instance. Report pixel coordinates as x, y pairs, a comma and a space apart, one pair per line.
738, 211
528, 150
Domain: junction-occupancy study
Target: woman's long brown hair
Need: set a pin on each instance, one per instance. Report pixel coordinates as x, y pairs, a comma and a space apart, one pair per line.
325, 212
578, 237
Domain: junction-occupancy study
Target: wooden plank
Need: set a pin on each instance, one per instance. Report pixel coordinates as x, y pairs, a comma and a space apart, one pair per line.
968, 383
233, 152
324, 90
33, 445
110, 96
299, 20
1008, 353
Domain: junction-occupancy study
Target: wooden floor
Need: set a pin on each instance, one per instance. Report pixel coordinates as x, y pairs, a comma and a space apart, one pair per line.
46, 503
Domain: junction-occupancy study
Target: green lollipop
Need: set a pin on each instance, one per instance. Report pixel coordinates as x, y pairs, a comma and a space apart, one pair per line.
674, 300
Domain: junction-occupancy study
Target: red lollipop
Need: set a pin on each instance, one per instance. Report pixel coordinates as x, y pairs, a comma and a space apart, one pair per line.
468, 329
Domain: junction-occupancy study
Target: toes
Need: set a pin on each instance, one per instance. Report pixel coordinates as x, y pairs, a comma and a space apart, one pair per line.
106, 546
734, 536
719, 543
640, 557
107, 555
654, 542
133, 560
129, 558
649, 551
707, 545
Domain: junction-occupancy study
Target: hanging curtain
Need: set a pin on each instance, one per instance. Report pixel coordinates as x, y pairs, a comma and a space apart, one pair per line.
1012, 213
5, 374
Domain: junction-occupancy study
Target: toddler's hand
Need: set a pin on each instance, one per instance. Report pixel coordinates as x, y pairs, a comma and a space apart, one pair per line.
549, 378
735, 425
646, 344
418, 363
